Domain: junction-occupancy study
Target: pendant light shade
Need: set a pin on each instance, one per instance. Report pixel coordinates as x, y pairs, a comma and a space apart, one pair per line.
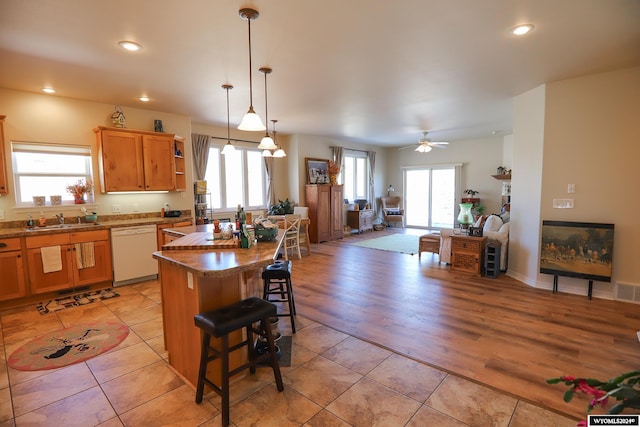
251, 121
279, 153
266, 143
228, 148
266, 153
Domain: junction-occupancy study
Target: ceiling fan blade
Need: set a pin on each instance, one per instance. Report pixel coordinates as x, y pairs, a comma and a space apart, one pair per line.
439, 144
408, 146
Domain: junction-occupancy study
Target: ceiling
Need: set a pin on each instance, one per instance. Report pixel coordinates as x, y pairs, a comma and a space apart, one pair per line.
376, 72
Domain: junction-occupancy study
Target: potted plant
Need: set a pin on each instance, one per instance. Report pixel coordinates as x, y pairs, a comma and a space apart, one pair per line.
281, 208
471, 197
79, 189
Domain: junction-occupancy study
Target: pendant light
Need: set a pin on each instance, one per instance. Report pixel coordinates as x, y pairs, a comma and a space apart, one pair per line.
279, 153
251, 121
228, 147
266, 143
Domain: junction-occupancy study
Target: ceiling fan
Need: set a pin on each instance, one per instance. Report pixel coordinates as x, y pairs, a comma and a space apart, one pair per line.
425, 144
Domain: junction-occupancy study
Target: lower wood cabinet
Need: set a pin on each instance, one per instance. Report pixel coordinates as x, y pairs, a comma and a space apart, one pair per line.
325, 211
70, 275
164, 238
467, 254
361, 220
12, 278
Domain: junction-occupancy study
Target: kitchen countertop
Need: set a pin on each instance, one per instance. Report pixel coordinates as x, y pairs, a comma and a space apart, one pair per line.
220, 261
100, 225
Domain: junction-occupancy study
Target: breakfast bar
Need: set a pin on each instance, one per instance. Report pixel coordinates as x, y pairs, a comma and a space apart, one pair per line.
198, 274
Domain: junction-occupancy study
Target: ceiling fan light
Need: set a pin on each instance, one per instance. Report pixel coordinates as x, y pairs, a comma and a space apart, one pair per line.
423, 148
251, 122
266, 153
266, 143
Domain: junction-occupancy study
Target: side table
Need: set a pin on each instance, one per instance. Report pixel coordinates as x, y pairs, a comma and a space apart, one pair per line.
362, 220
467, 254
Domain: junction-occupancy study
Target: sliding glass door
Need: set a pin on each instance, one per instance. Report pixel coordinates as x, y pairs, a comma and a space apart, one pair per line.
430, 195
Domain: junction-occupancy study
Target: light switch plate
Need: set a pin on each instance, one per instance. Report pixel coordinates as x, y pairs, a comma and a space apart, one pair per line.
1, 214
115, 209
189, 280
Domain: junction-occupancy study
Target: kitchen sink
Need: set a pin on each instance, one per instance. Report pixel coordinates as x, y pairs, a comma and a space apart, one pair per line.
63, 227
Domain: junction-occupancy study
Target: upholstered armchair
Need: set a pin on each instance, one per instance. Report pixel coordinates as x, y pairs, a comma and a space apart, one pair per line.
392, 209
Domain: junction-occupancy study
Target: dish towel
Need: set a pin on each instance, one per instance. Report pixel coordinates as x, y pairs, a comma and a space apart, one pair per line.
85, 256
51, 259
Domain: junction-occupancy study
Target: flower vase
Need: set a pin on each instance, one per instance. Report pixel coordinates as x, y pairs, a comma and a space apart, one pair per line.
78, 199
333, 179
465, 217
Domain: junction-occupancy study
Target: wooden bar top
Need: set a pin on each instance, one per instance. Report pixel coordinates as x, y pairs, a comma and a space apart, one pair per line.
218, 261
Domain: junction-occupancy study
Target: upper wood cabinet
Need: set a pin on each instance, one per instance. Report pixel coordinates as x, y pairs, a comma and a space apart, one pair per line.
3, 166
132, 160
325, 211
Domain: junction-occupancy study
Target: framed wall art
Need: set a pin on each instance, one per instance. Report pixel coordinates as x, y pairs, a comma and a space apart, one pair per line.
317, 171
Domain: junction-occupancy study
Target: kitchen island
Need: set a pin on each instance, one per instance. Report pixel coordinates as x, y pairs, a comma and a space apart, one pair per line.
195, 280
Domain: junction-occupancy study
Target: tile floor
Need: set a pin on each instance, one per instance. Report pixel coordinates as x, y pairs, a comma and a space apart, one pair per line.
334, 380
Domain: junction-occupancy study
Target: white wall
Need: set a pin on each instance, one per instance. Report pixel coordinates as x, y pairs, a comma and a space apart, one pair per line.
592, 126
526, 184
46, 118
480, 159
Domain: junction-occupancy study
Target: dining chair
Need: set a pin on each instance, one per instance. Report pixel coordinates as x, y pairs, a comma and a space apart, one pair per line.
303, 211
291, 235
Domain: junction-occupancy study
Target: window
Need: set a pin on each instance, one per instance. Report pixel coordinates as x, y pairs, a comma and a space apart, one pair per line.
42, 169
355, 175
430, 196
231, 184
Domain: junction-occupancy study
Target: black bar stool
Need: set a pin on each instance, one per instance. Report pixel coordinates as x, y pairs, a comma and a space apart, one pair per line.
219, 323
277, 281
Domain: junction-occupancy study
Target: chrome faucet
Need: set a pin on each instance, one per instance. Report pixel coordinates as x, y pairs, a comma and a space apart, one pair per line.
60, 218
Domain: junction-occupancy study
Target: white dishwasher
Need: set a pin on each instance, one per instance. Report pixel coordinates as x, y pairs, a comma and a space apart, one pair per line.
131, 249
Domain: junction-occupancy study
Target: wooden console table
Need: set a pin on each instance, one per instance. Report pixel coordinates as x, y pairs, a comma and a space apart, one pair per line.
467, 254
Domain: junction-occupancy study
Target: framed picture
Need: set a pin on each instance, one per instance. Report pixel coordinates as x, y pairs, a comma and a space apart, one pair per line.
317, 171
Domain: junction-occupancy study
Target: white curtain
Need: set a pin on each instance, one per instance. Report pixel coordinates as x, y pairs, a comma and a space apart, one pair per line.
372, 171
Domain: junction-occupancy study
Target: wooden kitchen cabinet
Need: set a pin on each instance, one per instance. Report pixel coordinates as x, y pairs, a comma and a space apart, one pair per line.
467, 254
361, 220
325, 212
4, 187
70, 275
133, 160
163, 238
12, 269
181, 178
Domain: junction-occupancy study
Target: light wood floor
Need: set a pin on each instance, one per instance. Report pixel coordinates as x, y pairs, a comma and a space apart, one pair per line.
498, 332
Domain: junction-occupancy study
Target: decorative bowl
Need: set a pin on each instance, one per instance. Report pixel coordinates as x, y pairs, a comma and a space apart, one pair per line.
266, 234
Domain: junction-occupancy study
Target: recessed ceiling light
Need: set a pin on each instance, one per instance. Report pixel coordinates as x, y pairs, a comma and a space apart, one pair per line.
144, 99
521, 30
48, 90
129, 45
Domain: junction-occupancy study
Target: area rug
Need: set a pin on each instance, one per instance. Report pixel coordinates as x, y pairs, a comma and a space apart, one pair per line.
75, 300
284, 345
68, 346
403, 243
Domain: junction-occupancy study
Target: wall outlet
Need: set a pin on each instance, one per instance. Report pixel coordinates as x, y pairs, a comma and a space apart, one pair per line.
135, 208
1, 214
563, 203
115, 209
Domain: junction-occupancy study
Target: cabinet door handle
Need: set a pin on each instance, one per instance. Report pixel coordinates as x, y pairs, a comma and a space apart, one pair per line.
3, 245
19, 256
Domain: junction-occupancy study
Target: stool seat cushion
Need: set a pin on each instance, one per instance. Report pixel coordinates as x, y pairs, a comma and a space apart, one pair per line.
277, 270
223, 320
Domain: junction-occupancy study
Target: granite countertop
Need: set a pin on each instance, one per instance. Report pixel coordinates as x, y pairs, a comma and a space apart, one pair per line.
8, 232
220, 261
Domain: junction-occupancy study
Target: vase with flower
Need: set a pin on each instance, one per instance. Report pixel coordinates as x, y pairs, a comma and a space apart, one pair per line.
79, 189
333, 170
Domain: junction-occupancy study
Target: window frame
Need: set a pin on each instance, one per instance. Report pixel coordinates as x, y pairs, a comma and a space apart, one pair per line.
354, 185
221, 177
85, 151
